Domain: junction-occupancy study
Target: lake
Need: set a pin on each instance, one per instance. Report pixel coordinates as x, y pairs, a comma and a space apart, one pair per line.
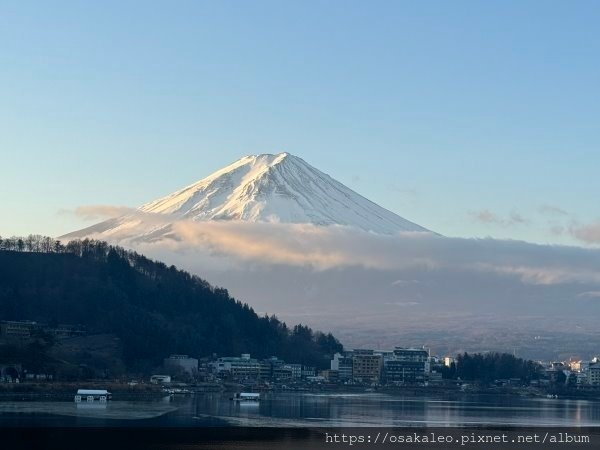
309, 410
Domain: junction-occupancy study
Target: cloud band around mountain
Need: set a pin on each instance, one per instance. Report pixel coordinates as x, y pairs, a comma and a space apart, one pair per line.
337, 246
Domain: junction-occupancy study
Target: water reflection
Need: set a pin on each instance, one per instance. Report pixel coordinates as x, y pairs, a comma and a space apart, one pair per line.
381, 409
306, 410
86, 406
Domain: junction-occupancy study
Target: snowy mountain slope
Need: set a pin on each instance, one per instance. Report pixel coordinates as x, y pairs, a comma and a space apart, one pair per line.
265, 188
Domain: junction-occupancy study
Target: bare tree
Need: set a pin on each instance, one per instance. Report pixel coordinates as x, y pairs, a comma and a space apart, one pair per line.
30, 243
46, 244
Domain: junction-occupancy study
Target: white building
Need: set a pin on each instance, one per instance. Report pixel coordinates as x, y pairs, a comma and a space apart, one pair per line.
343, 365
296, 370
582, 377
239, 367
408, 365
594, 374
92, 395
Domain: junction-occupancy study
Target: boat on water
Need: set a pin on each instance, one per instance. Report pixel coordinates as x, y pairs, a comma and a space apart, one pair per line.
92, 395
246, 397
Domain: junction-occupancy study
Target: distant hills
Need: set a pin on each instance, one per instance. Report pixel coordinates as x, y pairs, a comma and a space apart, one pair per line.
153, 309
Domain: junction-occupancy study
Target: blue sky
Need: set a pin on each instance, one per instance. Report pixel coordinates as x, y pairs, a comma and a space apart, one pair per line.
469, 118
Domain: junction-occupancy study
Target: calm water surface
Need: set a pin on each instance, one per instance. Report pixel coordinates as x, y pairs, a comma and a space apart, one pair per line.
306, 410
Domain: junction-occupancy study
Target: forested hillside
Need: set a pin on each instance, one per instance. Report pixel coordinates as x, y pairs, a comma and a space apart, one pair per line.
153, 308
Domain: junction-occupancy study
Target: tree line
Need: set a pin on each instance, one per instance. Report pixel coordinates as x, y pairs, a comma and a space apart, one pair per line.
32, 243
153, 308
488, 367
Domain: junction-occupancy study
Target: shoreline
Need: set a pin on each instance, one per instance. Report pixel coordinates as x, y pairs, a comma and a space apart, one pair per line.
65, 391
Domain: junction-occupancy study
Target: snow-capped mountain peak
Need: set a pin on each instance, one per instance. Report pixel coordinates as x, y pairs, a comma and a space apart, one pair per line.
262, 188
282, 188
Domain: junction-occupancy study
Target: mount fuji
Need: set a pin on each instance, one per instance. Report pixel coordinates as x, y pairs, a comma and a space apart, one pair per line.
371, 277
279, 188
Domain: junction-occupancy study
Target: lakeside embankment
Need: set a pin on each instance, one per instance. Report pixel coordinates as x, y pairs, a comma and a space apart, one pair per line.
64, 391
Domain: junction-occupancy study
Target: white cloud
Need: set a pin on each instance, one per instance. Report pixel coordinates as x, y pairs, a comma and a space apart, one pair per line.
340, 279
101, 212
323, 248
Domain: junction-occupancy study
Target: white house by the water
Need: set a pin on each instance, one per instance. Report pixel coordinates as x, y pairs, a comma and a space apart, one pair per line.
92, 395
